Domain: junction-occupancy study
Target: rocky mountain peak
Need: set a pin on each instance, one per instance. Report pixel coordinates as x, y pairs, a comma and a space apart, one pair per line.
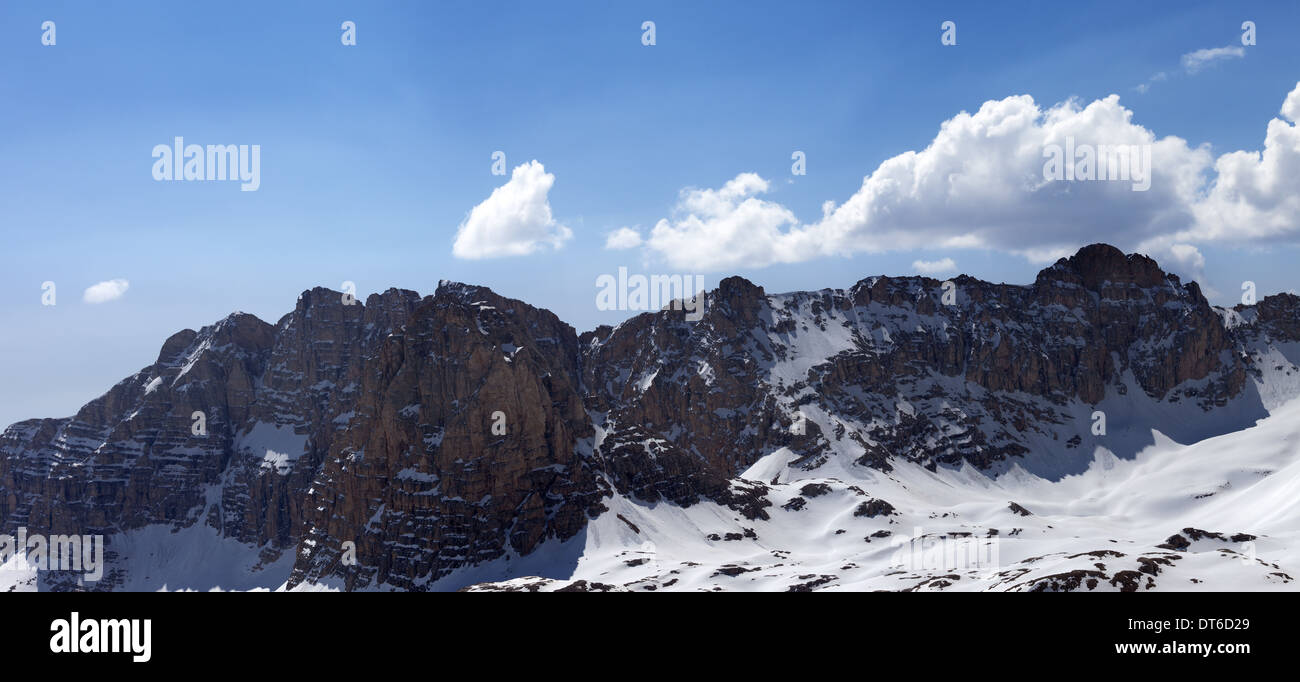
391, 296
736, 285
737, 294
242, 329
466, 293
175, 345
1095, 265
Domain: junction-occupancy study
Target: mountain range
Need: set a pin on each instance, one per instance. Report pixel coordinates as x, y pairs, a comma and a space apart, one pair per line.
1103, 428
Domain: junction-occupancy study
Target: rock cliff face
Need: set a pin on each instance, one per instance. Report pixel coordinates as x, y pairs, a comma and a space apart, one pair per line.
442, 432
467, 441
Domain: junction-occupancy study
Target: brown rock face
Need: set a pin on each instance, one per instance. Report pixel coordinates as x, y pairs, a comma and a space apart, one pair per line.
1164, 332
468, 441
420, 435
131, 457
432, 433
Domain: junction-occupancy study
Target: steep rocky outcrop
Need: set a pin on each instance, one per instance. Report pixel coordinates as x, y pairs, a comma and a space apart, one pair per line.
468, 440
420, 435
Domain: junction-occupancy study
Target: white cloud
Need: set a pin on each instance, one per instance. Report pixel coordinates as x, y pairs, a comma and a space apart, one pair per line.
934, 267
623, 238
1256, 195
515, 220
1184, 260
104, 292
1195, 61
725, 228
1187, 256
1291, 105
980, 184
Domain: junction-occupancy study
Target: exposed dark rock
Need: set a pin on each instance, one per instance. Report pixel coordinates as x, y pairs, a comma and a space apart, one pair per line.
1017, 509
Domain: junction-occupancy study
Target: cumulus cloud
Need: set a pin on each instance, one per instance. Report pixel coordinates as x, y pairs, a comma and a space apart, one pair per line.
104, 292
515, 220
934, 267
725, 228
981, 184
623, 238
1291, 106
1256, 195
1187, 256
1195, 61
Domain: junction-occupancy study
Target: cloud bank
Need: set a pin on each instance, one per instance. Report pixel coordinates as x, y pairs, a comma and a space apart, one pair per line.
980, 184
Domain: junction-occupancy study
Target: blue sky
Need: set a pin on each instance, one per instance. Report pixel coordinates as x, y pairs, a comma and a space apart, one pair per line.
373, 155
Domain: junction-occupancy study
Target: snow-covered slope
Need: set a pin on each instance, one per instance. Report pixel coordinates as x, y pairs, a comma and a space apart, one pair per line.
1221, 514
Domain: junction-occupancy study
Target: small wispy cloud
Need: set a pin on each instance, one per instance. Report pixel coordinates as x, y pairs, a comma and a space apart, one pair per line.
934, 267
104, 292
623, 238
1160, 76
1195, 61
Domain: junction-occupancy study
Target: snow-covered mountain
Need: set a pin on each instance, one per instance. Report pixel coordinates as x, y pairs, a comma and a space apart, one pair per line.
1101, 428
1221, 514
